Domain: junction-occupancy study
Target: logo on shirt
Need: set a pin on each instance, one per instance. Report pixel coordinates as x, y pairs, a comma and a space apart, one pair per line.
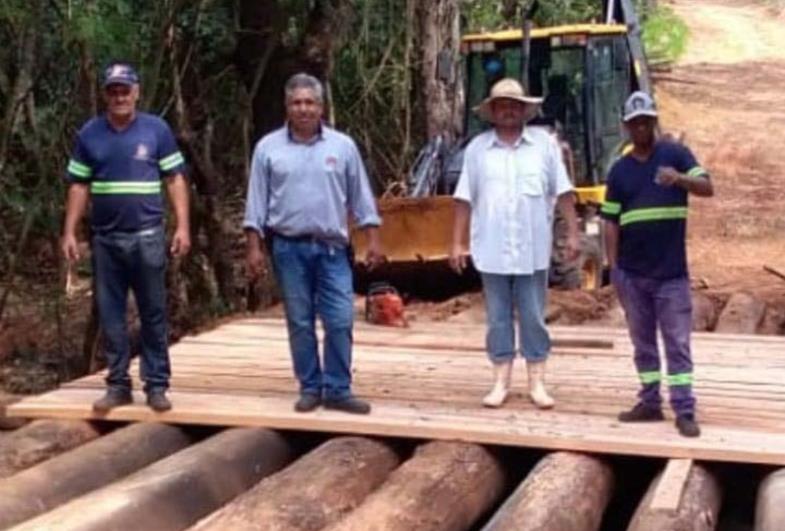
142, 152
331, 163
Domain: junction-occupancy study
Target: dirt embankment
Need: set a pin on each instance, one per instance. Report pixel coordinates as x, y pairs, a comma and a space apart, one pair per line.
726, 96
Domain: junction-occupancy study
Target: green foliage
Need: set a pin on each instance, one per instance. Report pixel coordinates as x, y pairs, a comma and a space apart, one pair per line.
482, 15
664, 35
73, 41
372, 88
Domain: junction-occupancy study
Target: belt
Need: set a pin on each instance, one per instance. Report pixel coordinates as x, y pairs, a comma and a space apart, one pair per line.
269, 234
141, 232
298, 238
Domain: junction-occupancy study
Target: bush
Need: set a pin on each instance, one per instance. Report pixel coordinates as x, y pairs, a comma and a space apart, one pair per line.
664, 35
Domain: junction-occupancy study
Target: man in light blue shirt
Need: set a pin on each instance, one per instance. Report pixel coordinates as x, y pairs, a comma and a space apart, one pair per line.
306, 178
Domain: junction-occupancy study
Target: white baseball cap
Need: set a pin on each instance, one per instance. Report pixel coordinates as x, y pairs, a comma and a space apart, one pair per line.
639, 104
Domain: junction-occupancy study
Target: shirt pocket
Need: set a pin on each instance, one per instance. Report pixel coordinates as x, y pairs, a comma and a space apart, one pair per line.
530, 182
530, 175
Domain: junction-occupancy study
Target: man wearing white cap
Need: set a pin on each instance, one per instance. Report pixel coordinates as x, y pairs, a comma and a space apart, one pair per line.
511, 176
645, 238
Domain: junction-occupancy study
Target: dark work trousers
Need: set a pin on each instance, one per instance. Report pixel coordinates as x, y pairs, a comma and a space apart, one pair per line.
135, 261
650, 304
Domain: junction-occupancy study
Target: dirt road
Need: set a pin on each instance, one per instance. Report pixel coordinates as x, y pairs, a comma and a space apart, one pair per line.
726, 94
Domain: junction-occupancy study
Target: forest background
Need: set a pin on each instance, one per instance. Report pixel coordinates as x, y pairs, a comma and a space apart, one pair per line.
214, 69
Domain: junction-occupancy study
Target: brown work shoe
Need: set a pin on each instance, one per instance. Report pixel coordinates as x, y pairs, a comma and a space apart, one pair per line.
349, 405
112, 399
307, 402
688, 426
158, 402
641, 413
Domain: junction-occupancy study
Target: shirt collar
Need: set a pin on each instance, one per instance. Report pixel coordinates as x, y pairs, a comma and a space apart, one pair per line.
319, 135
124, 129
495, 142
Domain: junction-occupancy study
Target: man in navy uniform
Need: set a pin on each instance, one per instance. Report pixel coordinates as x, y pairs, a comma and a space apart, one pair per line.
117, 164
645, 238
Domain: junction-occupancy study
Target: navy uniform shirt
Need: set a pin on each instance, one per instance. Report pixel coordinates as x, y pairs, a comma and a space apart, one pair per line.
652, 218
309, 188
124, 170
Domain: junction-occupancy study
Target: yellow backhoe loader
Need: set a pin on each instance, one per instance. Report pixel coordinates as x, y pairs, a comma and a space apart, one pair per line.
584, 73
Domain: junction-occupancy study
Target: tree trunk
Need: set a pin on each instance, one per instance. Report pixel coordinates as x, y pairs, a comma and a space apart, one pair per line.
562, 479
206, 180
41, 440
93, 465
770, 508
313, 492
697, 510
22, 85
440, 37
262, 25
9, 423
173, 493
446, 486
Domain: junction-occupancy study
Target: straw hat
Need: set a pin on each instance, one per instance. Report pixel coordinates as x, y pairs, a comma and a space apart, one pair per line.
510, 89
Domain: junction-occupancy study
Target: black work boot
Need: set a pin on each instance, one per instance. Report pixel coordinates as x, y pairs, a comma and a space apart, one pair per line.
307, 402
641, 413
349, 405
157, 401
688, 426
112, 398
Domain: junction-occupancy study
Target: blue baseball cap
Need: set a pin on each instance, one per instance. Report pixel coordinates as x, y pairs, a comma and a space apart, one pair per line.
639, 104
120, 74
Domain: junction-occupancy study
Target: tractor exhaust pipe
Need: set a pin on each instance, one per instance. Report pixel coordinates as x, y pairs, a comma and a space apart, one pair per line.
527, 12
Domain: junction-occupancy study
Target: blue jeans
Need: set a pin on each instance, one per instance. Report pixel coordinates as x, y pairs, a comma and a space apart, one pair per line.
135, 260
526, 294
316, 278
650, 303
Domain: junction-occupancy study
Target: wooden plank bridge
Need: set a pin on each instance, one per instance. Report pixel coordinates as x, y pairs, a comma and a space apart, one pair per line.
427, 382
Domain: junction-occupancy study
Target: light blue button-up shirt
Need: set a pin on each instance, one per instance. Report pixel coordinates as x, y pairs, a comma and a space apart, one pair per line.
309, 189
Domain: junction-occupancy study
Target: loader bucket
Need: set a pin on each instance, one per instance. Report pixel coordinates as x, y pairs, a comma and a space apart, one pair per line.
416, 236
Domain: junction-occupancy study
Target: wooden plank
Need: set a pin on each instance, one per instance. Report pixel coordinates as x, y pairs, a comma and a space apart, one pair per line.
434, 392
528, 428
698, 509
667, 495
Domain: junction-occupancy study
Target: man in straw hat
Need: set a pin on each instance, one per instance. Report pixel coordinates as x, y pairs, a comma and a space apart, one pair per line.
645, 237
511, 176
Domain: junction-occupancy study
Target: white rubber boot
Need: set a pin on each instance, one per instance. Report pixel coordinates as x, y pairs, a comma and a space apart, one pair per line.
537, 392
502, 374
